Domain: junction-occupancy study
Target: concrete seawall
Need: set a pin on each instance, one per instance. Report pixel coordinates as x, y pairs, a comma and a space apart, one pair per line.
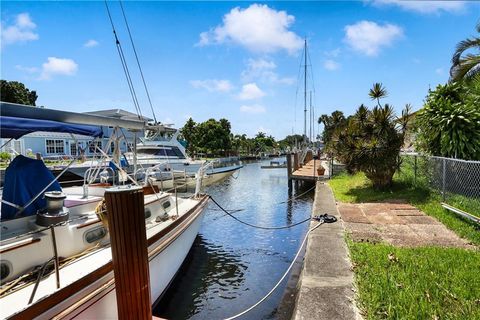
326, 289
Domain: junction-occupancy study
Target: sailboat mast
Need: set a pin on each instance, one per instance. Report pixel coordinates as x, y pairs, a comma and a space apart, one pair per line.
305, 94
311, 116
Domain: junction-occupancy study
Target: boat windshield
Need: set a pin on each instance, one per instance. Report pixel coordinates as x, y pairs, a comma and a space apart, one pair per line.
162, 151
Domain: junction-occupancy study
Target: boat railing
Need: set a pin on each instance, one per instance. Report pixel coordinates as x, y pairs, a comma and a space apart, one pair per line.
201, 173
91, 175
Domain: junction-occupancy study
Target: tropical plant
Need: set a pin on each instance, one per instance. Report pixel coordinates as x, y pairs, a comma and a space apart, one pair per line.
466, 65
449, 123
371, 140
332, 124
5, 156
378, 92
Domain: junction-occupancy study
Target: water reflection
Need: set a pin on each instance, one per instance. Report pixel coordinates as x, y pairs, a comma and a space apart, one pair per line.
207, 273
231, 266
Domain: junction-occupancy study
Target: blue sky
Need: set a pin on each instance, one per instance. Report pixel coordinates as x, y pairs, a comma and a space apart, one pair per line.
238, 60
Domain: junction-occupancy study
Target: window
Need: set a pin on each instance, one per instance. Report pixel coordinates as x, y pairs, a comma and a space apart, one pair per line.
164, 151
93, 144
54, 146
112, 147
95, 234
73, 149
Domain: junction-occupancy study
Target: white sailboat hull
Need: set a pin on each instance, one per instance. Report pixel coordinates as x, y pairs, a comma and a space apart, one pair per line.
163, 268
88, 286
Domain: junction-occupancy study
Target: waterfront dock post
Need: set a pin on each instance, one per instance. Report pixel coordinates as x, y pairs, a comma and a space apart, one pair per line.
289, 170
126, 223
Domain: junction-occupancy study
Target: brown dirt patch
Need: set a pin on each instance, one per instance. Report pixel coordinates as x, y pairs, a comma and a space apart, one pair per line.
397, 223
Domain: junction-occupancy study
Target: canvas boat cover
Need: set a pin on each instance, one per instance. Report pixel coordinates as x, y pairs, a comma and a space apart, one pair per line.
24, 179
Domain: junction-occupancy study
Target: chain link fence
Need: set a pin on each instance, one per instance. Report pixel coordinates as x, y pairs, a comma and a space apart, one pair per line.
457, 181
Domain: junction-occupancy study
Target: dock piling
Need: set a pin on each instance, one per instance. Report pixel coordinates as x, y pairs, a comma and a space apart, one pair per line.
126, 222
289, 170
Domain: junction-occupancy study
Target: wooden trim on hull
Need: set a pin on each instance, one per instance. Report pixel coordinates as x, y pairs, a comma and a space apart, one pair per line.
48, 302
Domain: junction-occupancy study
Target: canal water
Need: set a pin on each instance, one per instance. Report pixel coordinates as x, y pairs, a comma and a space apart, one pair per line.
231, 266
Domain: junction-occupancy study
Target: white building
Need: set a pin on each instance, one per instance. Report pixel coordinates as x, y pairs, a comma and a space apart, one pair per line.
50, 144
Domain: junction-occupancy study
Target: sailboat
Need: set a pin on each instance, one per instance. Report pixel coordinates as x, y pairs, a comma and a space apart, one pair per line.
43, 225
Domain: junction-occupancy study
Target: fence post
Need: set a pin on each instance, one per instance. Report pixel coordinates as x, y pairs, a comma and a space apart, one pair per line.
415, 171
444, 176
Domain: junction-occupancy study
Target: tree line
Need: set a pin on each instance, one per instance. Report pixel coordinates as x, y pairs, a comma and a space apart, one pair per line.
214, 138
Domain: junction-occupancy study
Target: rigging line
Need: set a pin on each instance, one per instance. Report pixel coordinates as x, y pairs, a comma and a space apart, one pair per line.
138, 62
284, 275
311, 71
124, 65
299, 74
256, 226
129, 79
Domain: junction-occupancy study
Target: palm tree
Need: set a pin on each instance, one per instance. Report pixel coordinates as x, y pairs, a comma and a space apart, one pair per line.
466, 65
377, 92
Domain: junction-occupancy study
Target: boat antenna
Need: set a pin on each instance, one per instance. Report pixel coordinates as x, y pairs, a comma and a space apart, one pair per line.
138, 62
125, 67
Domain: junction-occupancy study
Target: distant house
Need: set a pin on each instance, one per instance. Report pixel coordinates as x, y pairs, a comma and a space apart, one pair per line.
50, 144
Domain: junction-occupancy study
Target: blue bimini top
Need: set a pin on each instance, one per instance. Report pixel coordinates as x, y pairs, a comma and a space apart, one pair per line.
12, 127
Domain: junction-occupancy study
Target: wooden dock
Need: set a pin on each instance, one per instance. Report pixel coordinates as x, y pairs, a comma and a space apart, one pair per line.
308, 171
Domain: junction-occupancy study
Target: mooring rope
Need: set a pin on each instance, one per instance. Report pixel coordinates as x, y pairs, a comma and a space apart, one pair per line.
257, 226
321, 221
298, 196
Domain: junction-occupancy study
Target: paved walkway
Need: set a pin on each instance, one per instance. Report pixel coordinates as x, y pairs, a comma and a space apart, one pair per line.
397, 223
326, 288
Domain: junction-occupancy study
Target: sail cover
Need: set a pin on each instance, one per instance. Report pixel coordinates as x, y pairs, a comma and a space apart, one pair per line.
12, 127
24, 179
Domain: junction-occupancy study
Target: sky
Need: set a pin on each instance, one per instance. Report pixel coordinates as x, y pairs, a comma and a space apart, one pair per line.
236, 60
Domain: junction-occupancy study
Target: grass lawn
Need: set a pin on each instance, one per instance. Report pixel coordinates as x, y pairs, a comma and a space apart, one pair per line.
357, 188
413, 283
416, 283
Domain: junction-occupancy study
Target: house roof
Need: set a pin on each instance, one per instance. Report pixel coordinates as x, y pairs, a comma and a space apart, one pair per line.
119, 114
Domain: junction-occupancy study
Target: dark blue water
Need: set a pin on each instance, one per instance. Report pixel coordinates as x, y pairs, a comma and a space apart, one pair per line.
231, 266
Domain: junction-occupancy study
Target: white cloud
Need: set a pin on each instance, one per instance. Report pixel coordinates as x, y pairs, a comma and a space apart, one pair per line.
58, 66
331, 65
26, 69
258, 28
439, 71
167, 121
264, 70
369, 37
212, 85
22, 30
250, 91
262, 129
333, 53
91, 43
254, 109
426, 7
